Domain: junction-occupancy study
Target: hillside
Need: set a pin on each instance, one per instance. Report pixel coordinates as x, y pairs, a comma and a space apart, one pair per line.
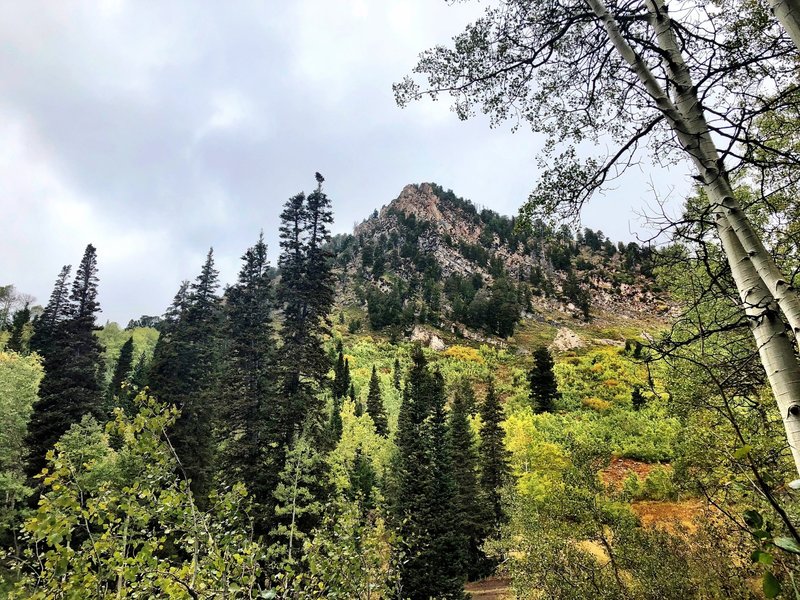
430, 258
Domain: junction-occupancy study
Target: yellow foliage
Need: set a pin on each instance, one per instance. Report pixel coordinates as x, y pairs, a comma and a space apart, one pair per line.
464, 353
596, 404
611, 383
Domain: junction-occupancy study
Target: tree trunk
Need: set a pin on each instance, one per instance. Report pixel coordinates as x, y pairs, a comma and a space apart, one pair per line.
695, 137
686, 117
788, 14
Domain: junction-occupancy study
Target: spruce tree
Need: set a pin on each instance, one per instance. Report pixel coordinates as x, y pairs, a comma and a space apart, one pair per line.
71, 387
470, 513
184, 373
542, 381
359, 406
341, 376
398, 376
493, 455
54, 314
121, 372
247, 382
21, 318
375, 408
425, 490
637, 398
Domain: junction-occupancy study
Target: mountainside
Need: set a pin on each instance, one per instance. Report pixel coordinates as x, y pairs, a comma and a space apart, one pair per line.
432, 258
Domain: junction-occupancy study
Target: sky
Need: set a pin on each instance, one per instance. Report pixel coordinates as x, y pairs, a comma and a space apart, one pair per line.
155, 130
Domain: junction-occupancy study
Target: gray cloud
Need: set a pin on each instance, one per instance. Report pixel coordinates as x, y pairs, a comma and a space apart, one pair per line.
157, 129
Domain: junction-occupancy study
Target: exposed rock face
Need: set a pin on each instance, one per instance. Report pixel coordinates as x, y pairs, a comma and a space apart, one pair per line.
428, 338
566, 340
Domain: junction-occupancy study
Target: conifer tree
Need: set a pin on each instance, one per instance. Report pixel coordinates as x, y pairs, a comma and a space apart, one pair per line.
247, 382
121, 372
359, 406
184, 372
70, 388
425, 493
55, 313
493, 455
341, 376
542, 381
375, 408
470, 513
335, 424
21, 318
637, 398
397, 376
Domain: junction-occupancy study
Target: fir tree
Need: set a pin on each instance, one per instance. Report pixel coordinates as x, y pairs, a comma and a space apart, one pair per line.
70, 388
21, 318
121, 372
397, 376
542, 381
425, 492
494, 472
470, 513
247, 382
54, 314
341, 376
184, 373
375, 408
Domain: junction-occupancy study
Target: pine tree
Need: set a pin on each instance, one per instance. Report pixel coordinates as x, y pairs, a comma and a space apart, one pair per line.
184, 372
398, 376
341, 376
71, 387
470, 512
21, 318
247, 383
542, 381
375, 408
493, 455
54, 314
425, 490
121, 372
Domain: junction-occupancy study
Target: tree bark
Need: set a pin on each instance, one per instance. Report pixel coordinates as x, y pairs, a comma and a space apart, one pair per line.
788, 14
686, 118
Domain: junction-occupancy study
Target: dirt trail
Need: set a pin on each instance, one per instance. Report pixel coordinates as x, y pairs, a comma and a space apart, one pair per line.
493, 588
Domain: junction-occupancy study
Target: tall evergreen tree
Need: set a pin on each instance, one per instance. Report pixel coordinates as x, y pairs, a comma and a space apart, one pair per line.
184, 372
470, 513
375, 408
397, 375
425, 492
341, 376
542, 381
305, 296
493, 455
21, 318
71, 387
121, 372
54, 314
247, 382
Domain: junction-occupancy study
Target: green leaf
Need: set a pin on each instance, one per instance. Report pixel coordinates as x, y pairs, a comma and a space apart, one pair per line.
742, 452
761, 557
770, 585
753, 519
788, 544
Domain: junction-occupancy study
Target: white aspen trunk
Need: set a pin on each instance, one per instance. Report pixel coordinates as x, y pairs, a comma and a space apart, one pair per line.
788, 14
687, 120
695, 137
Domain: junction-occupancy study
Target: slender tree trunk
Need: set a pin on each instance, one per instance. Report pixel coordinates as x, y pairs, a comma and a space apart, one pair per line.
788, 14
686, 118
695, 137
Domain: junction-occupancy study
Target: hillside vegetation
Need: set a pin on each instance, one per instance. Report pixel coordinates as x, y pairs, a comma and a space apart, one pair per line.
438, 398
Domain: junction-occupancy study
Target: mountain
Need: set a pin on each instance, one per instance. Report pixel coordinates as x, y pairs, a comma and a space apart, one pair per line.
431, 258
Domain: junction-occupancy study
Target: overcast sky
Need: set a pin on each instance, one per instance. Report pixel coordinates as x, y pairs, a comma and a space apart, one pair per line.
155, 129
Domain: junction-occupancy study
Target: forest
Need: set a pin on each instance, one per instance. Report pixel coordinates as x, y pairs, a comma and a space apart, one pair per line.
447, 402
